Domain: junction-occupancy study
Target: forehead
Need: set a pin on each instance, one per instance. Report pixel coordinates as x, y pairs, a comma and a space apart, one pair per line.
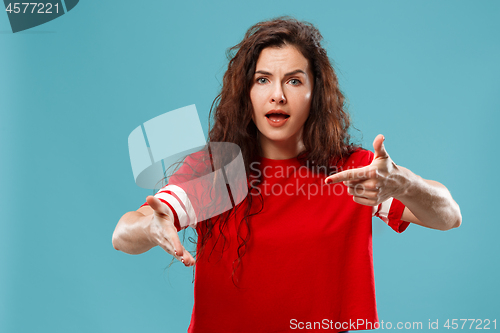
286, 57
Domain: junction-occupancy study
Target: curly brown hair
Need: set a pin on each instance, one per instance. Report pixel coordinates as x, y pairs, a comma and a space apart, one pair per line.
325, 135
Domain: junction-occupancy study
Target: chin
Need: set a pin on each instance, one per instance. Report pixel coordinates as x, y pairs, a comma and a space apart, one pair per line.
276, 137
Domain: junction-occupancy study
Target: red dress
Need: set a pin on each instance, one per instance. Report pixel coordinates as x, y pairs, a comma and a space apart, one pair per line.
308, 260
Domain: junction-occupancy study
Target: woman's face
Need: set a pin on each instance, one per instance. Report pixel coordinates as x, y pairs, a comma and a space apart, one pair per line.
283, 83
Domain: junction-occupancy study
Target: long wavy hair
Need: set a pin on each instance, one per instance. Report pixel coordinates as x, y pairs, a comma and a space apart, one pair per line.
325, 135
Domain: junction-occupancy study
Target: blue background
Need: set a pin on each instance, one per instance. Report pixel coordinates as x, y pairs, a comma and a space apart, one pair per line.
423, 73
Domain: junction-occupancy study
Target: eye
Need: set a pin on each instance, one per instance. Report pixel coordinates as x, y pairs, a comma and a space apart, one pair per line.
295, 82
261, 80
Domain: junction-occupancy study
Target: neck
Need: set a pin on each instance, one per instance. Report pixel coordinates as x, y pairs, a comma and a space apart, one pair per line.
281, 150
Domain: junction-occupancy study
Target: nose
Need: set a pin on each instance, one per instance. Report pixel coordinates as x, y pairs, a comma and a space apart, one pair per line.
278, 96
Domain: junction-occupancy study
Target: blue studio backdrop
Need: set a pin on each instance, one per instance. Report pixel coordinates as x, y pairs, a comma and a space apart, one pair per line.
423, 73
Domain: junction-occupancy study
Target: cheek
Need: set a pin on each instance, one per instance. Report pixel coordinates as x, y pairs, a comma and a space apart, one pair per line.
303, 119
306, 105
255, 97
307, 99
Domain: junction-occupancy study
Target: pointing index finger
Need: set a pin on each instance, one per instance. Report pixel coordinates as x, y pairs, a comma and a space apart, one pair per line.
353, 174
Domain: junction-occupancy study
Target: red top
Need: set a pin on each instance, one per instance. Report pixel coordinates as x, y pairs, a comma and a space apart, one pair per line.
308, 260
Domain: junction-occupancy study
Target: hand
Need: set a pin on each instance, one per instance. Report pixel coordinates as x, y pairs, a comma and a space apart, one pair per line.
164, 234
375, 183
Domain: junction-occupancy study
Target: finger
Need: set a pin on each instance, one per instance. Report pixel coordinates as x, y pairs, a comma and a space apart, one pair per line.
173, 237
157, 205
352, 174
353, 182
369, 184
379, 148
178, 251
188, 259
360, 191
365, 201
167, 246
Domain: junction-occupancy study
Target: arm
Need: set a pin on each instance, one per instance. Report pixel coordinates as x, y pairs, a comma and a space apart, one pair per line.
149, 226
428, 203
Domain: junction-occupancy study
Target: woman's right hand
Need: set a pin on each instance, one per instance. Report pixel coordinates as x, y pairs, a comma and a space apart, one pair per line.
163, 233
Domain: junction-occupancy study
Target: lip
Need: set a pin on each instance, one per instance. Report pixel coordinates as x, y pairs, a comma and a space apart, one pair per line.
280, 122
277, 111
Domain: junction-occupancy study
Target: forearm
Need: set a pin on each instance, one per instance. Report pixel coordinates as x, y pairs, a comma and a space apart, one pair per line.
429, 201
131, 234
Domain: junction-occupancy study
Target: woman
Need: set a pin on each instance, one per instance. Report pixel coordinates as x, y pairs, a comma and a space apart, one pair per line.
296, 253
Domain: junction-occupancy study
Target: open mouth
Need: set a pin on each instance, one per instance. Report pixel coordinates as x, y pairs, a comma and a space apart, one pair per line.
277, 116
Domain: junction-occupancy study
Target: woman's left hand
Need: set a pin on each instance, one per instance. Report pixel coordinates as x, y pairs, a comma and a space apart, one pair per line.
374, 183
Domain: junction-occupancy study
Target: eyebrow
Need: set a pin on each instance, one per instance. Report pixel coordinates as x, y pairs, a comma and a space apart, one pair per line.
297, 71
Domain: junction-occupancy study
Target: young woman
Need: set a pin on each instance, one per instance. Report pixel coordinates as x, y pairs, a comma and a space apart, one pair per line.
296, 252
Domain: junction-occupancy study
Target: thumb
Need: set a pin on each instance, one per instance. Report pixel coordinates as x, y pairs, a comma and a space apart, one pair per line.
156, 205
378, 146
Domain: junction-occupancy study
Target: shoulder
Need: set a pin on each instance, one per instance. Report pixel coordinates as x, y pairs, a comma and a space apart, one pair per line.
359, 157
193, 166
198, 161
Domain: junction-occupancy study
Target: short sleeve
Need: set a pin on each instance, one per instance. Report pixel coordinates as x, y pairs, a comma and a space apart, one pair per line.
205, 186
179, 206
179, 193
391, 211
